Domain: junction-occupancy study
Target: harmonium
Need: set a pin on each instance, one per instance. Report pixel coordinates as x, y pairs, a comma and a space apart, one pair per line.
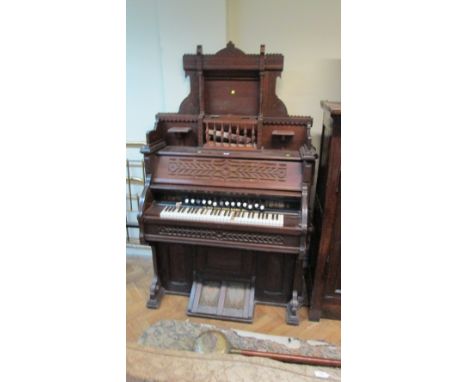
226, 205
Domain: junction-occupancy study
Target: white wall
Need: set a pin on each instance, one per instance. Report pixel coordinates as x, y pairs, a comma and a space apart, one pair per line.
307, 33
183, 25
144, 70
159, 33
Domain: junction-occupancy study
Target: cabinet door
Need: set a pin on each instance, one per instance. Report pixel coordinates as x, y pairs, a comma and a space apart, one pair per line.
224, 263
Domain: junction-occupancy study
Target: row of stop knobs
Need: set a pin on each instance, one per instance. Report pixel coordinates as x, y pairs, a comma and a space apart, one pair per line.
224, 203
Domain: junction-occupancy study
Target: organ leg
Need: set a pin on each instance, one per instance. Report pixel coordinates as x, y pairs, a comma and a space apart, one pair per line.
292, 309
156, 290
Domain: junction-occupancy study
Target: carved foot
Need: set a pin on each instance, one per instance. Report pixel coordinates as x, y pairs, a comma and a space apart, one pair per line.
156, 295
292, 310
314, 314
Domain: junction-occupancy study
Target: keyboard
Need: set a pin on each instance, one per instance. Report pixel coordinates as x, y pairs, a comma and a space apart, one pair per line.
223, 215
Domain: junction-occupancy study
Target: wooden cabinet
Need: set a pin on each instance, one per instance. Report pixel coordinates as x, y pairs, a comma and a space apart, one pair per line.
326, 254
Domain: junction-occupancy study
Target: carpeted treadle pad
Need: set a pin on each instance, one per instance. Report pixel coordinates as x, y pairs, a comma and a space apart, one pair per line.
231, 300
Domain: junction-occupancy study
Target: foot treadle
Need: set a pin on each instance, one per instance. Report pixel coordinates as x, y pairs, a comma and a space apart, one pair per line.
222, 299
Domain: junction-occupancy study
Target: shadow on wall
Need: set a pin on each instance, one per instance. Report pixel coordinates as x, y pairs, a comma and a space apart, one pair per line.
303, 87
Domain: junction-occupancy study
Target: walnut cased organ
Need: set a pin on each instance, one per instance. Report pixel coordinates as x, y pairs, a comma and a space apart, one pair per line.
227, 196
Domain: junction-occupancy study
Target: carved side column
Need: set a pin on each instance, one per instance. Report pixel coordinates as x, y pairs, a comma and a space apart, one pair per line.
292, 309
146, 199
201, 94
156, 289
297, 300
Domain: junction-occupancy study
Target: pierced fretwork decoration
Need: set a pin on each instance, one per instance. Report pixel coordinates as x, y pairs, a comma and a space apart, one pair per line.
230, 133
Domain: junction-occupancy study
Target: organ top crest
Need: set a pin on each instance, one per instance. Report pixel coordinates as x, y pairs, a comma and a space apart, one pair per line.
233, 105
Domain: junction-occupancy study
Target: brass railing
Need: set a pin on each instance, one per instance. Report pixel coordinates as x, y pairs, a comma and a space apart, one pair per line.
135, 175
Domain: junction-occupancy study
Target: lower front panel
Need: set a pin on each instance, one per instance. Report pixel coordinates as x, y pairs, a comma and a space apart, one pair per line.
271, 274
175, 265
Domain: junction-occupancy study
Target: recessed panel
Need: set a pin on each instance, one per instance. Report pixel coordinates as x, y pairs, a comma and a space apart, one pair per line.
231, 97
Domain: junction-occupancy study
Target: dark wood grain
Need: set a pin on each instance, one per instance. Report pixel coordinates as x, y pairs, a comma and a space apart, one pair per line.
232, 137
326, 254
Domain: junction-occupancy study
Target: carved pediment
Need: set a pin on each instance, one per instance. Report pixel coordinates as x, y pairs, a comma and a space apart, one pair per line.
230, 50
